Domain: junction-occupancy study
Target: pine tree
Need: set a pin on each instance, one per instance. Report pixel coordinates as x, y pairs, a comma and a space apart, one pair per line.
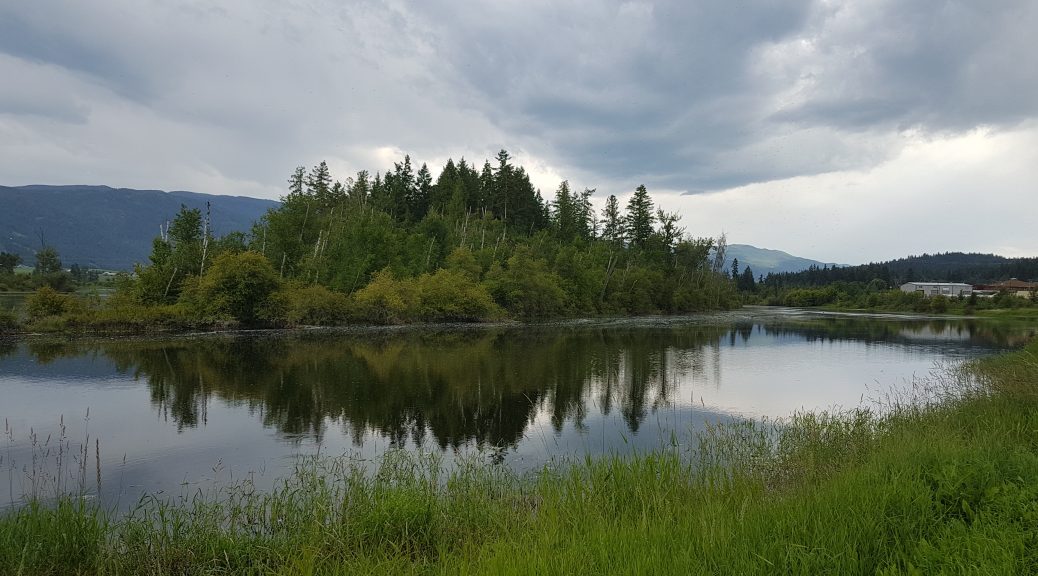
319, 182
296, 181
612, 221
639, 218
564, 213
418, 203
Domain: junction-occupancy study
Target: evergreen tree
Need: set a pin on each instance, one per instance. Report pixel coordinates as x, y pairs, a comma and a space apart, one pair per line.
360, 190
640, 218
319, 182
746, 282
612, 221
296, 181
486, 189
565, 213
418, 202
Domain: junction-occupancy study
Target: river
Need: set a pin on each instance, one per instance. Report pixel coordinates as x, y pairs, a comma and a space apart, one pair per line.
173, 416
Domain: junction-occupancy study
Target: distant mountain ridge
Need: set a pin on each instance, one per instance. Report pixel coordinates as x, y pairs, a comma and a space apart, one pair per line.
765, 261
104, 227
971, 268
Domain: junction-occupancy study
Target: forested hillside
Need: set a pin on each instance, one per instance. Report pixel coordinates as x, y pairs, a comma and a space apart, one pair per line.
102, 227
947, 267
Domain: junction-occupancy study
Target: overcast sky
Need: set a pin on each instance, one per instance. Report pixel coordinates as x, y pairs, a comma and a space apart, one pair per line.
842, 131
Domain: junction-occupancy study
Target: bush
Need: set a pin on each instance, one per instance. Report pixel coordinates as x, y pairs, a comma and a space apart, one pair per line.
939, 304
308, 305
8, 321
48, 302
452, 296
526, 287
237, 286
386, 300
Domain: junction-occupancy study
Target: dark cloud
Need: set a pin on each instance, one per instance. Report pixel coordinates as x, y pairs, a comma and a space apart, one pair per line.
679, 95
667, 90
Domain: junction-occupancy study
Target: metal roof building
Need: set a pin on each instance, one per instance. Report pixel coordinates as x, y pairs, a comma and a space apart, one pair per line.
938, 288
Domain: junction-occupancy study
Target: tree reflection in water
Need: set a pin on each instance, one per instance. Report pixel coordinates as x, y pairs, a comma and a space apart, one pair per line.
481, 387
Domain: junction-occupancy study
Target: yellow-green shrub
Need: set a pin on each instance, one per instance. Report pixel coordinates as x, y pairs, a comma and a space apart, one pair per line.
386, 300
308, 305
453, 296
49, 302
237, 286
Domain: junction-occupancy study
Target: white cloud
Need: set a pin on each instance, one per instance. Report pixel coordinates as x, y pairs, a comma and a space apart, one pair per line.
973, 192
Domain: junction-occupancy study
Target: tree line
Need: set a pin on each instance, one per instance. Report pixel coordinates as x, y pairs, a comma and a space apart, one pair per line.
401, 246
970, 268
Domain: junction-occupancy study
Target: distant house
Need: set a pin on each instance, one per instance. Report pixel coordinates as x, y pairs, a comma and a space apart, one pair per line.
1011, 285
949, 289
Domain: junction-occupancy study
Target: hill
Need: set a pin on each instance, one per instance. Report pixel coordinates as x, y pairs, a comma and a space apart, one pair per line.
947, 267
103, 227
765, 261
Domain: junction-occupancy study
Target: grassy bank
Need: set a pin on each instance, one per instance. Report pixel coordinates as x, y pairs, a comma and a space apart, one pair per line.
945, 479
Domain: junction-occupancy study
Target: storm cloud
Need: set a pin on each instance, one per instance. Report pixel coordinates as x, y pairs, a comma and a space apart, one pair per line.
686, 97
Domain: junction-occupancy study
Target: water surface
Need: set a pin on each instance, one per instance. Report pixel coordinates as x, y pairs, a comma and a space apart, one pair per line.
176, 415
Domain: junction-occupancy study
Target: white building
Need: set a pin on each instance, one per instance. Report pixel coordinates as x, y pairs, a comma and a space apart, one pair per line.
949, 289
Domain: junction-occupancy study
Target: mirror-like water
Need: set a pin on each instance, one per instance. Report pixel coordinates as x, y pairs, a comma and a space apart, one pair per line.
170, 416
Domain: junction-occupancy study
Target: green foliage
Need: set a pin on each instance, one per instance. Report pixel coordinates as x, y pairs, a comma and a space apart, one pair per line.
8, 262
47, 261
386, 300
612, 221
453, 296
445, 296
297, 305
638, 223
402, 246
237, 286
526, 287
175, 257
48, 302
872, 296
9, 321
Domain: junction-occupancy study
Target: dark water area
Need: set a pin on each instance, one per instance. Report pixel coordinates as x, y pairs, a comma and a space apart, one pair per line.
122, 418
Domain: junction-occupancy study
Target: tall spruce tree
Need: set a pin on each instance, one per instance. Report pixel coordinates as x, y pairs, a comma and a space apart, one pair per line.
612, 221
640, 217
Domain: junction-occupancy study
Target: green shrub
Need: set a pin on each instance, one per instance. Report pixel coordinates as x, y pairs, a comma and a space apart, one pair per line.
237, 287
308, 305
526, 287
48, 302
8, 321
386, 300
451, 295
939, 304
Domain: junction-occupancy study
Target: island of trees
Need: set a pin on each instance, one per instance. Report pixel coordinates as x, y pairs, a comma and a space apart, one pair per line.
474, 244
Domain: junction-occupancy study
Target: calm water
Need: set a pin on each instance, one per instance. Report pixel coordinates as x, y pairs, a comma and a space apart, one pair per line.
177, 415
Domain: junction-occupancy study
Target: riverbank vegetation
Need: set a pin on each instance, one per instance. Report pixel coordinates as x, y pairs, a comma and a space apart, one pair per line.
875, 296
942, 479
875, 287
400, 247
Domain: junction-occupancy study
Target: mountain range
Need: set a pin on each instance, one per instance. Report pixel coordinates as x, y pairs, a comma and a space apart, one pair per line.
765, 261
103, 227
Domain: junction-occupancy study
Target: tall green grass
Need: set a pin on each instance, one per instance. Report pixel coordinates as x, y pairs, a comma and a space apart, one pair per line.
941, 480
